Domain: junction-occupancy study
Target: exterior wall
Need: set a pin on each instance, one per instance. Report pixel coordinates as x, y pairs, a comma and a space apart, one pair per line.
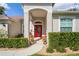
76, 25
26, 21
14, 28
32, 27
56, 25
44, 27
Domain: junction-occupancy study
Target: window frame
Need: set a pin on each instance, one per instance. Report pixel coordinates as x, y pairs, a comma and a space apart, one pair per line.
65, 17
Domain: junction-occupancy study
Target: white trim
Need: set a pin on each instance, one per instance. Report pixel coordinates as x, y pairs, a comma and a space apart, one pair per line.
38, 24
37, 7
66, 16
73, 25
38, 21
59, 24
26, 24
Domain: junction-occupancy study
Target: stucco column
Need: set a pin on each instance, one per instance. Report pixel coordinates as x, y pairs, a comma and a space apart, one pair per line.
49, 23
26, 24
74, 22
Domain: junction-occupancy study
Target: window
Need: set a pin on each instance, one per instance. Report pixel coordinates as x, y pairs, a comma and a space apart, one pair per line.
66, 25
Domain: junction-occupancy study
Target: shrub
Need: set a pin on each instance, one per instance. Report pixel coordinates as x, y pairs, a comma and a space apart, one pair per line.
60, 49
13, 42
61, 40
3, 33
50, 50
19, 36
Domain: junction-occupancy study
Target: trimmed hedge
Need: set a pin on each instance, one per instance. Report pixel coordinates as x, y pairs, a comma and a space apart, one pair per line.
13, 42
61, 40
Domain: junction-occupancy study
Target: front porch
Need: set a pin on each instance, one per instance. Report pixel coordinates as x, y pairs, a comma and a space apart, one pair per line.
37, 20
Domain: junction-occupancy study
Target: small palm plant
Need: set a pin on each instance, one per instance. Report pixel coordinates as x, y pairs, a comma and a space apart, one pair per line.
2, 9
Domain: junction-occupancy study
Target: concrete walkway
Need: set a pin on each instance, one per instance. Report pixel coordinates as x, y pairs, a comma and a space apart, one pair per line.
25, 51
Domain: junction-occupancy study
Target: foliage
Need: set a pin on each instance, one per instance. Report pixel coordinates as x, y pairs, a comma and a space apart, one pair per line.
2, 9
3, 33
13, 42
61, 40
49, 50
19, 35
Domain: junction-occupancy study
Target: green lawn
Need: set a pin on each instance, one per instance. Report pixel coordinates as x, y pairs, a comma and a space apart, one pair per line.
63, 55
38, 55
77, 54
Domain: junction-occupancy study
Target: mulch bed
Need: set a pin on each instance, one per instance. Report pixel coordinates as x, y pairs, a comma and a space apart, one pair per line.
68, 51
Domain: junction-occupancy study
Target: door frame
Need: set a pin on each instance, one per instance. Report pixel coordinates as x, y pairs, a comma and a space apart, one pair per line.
37, 23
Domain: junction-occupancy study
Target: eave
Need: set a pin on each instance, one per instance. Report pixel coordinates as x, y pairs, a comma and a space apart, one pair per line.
67, 13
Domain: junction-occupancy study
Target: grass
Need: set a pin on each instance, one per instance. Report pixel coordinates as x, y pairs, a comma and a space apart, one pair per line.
39, 55
77, 54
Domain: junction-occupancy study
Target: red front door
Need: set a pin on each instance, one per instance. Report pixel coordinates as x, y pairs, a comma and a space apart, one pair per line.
37, 30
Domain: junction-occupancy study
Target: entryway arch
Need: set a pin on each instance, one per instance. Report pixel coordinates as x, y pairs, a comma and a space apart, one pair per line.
38, 21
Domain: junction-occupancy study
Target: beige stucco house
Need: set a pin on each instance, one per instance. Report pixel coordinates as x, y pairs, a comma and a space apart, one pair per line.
40, 19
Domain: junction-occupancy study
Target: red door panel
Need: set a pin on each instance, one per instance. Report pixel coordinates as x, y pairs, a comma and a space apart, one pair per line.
38, 30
